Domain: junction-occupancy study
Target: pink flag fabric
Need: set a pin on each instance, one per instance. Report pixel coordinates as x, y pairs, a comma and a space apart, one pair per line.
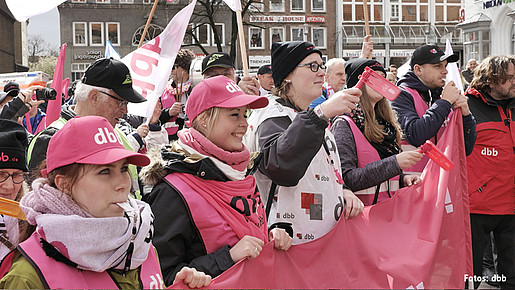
66, 86
420, 238
151, 64
53, 110
235, 5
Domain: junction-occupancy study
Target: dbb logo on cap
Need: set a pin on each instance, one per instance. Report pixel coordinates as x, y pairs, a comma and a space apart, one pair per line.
100, 137
233, 88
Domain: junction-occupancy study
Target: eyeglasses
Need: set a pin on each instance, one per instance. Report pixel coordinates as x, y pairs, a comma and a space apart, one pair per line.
121, 103
16, 177
313, 66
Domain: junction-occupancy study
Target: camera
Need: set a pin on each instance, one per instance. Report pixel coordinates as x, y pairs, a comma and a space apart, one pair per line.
46, 94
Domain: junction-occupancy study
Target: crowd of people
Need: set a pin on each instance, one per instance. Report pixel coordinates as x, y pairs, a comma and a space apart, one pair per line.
227, 165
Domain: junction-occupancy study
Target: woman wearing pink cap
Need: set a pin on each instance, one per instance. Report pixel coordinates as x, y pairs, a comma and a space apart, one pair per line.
208, 213
89, 232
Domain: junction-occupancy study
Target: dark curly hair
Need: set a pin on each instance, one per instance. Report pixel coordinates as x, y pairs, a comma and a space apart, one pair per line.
492, 70
184, 58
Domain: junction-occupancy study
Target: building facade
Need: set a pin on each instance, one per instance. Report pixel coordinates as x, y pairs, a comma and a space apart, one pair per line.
13, 42
87, 25
488, 28
397, 27
270, 21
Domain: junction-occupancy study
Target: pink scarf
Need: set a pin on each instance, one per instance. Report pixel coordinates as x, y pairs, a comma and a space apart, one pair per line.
236, 201
194, 139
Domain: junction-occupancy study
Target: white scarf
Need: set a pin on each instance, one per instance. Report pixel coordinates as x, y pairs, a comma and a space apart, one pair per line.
94, 244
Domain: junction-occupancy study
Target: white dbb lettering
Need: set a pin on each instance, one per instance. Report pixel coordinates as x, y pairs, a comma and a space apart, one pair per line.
232, 88
105, 136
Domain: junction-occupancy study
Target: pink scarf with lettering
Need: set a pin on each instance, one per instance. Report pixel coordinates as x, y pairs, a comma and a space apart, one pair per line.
236, 201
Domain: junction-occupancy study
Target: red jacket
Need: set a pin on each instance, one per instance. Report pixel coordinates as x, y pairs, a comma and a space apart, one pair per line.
491, 166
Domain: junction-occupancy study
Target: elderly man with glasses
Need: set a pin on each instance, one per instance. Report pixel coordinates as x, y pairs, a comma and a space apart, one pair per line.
105, 90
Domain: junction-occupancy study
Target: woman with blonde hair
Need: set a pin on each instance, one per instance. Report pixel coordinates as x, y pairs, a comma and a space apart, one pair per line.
208, 212
368, 140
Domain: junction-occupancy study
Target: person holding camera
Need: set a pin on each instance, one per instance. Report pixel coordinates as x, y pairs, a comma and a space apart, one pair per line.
15, 103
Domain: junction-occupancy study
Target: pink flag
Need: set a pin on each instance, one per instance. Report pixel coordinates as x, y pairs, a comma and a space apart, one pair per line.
151, 64
235, 5
53, 110
420, 238
66, 85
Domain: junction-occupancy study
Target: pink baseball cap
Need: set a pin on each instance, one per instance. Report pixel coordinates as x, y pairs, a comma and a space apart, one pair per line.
219, 91
88, 140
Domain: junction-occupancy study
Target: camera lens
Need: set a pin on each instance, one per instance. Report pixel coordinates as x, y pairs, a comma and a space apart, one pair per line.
50, 94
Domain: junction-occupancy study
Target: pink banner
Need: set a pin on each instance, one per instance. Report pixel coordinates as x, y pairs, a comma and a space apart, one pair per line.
420, 238
53, 110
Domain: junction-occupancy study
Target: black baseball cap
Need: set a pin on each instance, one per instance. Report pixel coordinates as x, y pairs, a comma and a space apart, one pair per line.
265, 69
216, 59
12, 89
431, 53
112, 74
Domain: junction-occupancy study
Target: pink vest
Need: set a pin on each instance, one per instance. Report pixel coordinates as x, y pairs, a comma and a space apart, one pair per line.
368, 154
214, 230
421, 108
57, 275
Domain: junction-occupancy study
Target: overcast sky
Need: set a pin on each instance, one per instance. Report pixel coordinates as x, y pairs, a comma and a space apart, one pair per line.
46, 25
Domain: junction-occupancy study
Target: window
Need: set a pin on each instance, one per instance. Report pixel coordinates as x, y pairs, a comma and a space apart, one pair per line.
147, 1
297, 6
153, 31
318, 5
220, 30
102, 1
256, 38
113, 32
96, 33
78, 70
126, 1
188, 36
79, 34
394, 12
298, 34
318, 37
78, 1
276, 5
203, 34
257, 7
276, 34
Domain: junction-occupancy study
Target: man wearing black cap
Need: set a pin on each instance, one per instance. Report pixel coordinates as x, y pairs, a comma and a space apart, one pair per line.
423, 106
220, 63
266, 82
105, 90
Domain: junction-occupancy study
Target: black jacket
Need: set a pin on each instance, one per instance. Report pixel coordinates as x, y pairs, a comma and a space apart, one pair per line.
176, 237
419, 129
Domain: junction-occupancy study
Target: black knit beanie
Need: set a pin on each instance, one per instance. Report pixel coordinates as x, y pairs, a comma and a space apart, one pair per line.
287, 55
356, 66
13, 144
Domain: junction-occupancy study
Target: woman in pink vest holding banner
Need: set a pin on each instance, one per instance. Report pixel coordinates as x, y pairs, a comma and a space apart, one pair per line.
208, 212
368, 141
89, 233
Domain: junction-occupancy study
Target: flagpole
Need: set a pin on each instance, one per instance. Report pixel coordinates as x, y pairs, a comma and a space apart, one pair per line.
148, 23
367, 26
243, 47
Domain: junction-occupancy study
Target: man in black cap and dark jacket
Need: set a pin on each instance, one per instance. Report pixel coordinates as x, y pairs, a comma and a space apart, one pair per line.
105, 90
423, 88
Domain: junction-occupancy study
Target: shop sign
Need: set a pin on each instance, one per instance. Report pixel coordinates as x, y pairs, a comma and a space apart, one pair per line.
90, 54
277, 18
